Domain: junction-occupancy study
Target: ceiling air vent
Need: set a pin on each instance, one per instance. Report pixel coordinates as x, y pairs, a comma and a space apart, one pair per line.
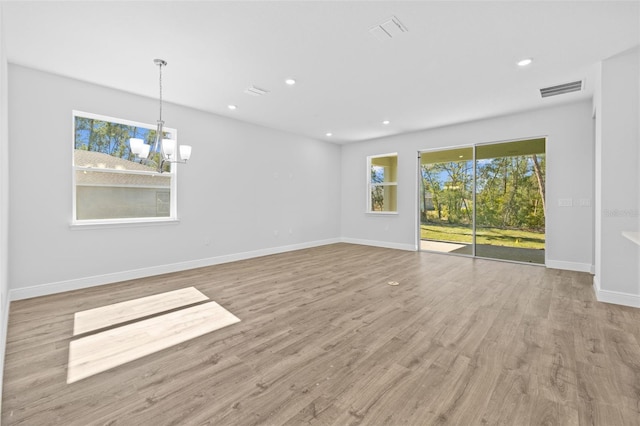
560, 89
255, 91
388, 29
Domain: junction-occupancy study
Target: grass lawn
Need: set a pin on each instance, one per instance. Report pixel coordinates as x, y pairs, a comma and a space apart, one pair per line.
493, 236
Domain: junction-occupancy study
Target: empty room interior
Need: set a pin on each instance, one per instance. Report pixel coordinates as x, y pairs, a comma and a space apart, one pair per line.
320, 212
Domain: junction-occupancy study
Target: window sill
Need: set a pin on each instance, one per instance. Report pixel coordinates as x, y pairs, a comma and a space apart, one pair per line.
382, 213
122, 223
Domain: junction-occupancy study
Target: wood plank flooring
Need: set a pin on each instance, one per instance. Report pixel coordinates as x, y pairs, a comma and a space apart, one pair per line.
118, 313
325, 340
102, 351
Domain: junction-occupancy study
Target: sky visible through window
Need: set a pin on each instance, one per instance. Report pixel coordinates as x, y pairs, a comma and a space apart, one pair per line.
108, 137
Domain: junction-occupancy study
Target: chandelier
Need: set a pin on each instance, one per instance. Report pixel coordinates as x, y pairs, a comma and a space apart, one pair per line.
166, 149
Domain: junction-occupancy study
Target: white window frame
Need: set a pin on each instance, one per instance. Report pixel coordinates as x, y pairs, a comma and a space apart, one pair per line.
370, 185
173, 193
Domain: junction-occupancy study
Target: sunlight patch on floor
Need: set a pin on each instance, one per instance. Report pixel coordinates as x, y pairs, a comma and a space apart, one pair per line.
117, 313
104, 350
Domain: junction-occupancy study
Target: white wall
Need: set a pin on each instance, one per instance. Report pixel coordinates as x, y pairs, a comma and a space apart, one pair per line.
4, 204
243, 183
570, 153
617, 278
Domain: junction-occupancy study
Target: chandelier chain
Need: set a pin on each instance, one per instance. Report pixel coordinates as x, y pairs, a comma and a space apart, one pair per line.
163, 151
160, 79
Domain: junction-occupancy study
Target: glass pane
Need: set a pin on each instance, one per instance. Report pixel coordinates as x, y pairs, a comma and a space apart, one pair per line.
109, 138
383, 172
112, 195
112, 140
384, 198
384, 169
510, 213
446, 206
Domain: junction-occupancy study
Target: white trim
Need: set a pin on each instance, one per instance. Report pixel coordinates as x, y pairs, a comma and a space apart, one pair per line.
370, 185
80, 283
569, 266
384, 244
172, 174
122, 185
86, 282
121, 171
383, 213
615, 297
118, 223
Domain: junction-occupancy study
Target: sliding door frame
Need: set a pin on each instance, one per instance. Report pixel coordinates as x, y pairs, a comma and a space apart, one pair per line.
474, 147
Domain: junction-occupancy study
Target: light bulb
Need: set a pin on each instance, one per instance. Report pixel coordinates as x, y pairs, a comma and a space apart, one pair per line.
144, 150
185, 152
168, 147
136, 145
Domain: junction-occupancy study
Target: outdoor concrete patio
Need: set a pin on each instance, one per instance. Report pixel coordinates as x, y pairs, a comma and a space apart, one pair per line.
515, 254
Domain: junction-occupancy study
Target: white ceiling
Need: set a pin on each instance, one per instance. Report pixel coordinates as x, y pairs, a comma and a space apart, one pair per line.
456, 63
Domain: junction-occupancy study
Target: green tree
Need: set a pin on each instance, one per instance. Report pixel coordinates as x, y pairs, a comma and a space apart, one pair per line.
377, 193
450, 185
509, 192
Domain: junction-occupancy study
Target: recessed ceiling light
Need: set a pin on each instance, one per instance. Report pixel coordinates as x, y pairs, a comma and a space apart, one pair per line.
385, 122
329, 134
525, 62
232, 107
290, 81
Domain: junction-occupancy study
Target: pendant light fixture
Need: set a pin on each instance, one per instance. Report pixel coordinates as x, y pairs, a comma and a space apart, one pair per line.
166, 149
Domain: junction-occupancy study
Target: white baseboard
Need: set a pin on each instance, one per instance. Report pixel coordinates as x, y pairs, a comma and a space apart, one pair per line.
569, 266
384, 244
615, 297
80, 283
86, 282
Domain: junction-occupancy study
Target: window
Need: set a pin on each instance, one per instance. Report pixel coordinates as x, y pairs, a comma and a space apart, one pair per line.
112, 185
382, 185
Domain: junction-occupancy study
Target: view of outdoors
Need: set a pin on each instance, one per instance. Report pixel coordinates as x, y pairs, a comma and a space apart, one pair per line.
110, 182
383, 187
107, 137
447, 199
509, 204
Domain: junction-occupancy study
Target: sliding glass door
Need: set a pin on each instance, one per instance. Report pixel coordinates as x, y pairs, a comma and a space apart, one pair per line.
510, 215
486, 200
446, 201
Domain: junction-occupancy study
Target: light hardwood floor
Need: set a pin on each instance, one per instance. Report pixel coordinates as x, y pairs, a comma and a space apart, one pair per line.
325, 340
